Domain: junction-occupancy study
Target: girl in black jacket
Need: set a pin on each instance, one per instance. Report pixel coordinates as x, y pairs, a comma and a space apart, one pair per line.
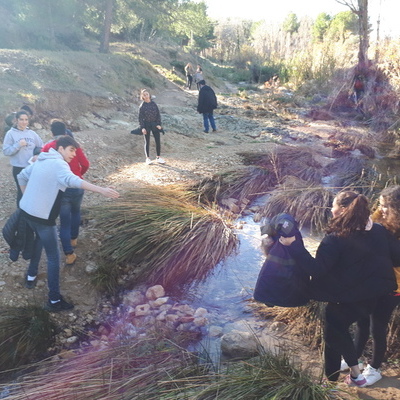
352, 269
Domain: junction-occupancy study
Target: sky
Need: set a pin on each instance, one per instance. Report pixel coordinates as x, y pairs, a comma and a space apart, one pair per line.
276, 11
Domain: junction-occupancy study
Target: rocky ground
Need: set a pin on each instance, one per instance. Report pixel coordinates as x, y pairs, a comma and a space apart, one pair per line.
117, 159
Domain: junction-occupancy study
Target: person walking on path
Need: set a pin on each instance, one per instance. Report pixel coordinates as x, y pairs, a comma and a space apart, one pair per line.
150, 121
19, 144
207, 103
352, 270
198, 76
42, 184
70, 212
189, 75
387, 214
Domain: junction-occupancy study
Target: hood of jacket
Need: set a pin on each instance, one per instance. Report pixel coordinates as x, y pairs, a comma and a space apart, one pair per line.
52, 154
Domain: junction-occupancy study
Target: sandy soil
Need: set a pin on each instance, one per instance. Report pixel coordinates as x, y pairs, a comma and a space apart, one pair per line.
117, 159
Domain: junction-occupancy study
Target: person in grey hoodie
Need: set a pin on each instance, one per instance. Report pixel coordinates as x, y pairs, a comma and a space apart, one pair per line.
42, 184
19, 144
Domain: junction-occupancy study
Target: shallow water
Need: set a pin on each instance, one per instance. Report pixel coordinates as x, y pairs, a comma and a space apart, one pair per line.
226, 292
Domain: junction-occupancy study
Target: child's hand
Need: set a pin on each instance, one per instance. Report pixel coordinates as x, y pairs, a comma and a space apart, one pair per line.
287, 241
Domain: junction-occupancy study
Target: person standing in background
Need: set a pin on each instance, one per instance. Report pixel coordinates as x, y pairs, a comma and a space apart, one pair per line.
19, 144
198, 76
150, 121
189, 75
206, 105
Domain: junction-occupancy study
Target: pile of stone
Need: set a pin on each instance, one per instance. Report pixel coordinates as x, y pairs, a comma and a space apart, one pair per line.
142, 311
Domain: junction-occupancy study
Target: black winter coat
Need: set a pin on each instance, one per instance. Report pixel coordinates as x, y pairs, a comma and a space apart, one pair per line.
19, 236
207, 100
351, 269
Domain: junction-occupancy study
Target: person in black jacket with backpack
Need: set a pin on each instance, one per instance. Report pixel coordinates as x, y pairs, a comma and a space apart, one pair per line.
352, 270
206, 105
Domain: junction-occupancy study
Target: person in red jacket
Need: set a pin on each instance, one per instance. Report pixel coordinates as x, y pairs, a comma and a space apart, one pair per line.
70, 213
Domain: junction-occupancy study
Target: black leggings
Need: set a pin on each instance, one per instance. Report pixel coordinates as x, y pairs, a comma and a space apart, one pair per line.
15, 172
378, 321
156, 134
338, 340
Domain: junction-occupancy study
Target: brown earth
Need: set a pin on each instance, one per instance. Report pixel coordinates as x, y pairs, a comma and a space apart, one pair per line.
117, 159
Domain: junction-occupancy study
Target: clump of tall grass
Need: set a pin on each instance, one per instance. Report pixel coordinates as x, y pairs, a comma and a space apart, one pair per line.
129, 370
163, 235
155, 369
25, 334
304, 322
268, 376
286, 160
243, 184
393, 350
354, 173
308, 204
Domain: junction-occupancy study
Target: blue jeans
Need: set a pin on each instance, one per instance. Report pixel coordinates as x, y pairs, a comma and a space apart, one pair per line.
206, 117
46, 236
70, 217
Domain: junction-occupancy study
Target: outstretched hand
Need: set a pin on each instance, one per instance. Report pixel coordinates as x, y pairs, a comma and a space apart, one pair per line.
287, 241
109, 192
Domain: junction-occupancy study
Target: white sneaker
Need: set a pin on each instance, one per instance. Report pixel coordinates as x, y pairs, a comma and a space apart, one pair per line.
160, 160
148, 161
372, 375
345, 367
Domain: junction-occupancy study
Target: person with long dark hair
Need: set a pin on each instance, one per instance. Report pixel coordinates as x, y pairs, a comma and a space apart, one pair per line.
352, 270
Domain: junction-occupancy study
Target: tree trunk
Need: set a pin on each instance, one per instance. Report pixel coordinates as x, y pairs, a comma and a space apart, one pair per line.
108, 14
364, 31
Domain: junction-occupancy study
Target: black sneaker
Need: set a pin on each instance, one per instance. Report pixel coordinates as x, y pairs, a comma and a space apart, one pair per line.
61, 305
30, 284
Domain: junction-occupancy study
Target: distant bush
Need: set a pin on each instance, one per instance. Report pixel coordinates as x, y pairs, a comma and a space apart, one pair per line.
147, 82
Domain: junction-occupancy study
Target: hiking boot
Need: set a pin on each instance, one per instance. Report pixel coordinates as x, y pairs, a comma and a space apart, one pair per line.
70, 259
61, 305
74, 242
160, 160
345, 367
214, 130
360, 381
148, 161
372, 375
30, 284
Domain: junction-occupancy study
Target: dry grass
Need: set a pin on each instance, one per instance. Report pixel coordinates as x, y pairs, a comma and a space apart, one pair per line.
286, 160
156, 369
304, 322
25, 334
308, 204
393, 338
163, 235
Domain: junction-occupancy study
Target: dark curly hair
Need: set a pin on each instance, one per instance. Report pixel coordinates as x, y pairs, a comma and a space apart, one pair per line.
391, 195
355, 214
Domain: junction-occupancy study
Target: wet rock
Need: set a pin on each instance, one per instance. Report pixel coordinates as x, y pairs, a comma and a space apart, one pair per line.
215, 331
277, 326
238, 344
